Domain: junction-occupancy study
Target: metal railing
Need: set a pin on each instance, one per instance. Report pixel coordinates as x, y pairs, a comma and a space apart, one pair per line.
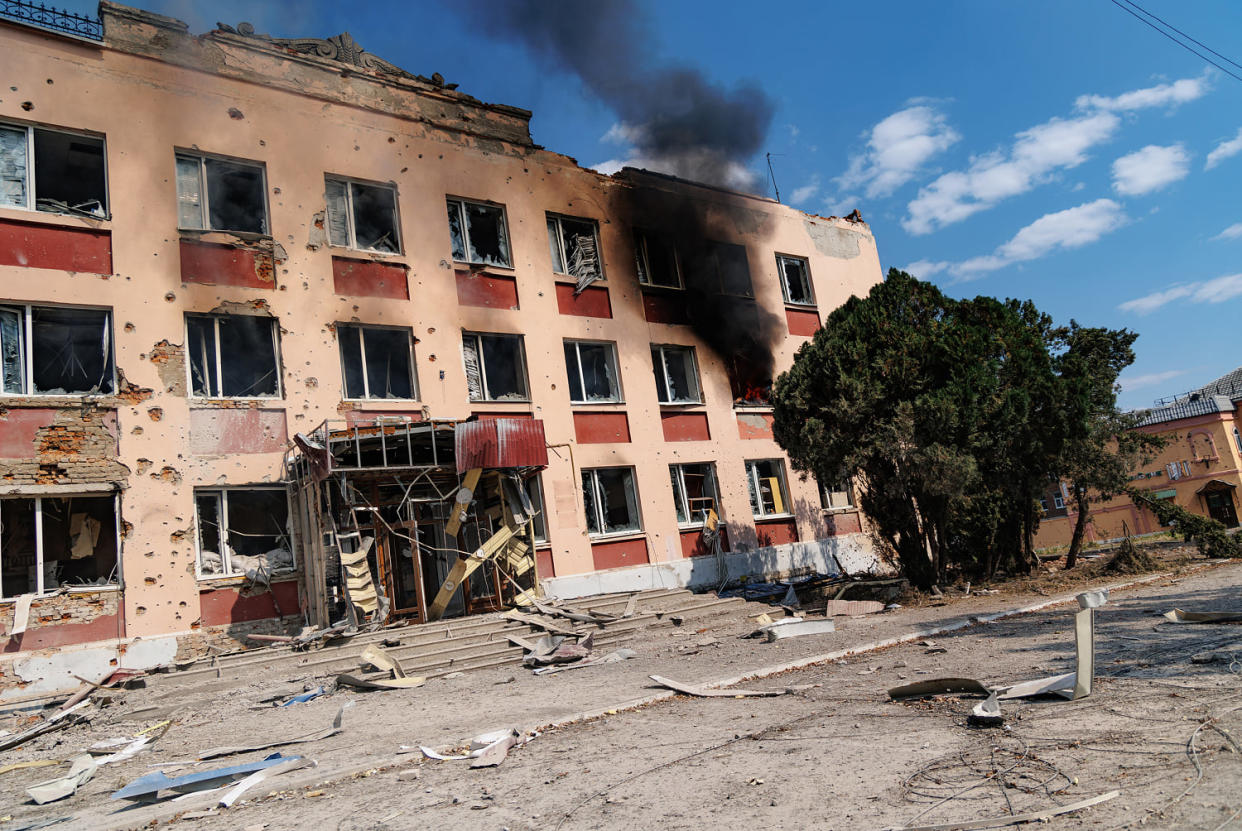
53, 19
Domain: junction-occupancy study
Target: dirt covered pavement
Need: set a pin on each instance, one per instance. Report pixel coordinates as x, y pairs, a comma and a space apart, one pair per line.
1161, 728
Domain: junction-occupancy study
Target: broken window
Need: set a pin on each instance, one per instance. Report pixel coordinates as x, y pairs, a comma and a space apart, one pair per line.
220, 195
732, 269
837, 495
694, 492
611, 500
766, 481
362, 216
233, 356
592, 368
51, 170
574, 245
478, 233
534, 491
795, 280
378, 362
48, 543
676, 375
54, 350
657, 260
242, 531
495, 367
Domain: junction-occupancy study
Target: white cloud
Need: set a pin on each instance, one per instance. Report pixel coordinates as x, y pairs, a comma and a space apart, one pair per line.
1207, 291
1149, 169
1129, 383
926, 268
1161, 95
1224, 150
897, 148
805, 192
1232, 232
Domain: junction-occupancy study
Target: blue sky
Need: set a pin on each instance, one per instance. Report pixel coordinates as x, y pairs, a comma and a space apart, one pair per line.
1059, 151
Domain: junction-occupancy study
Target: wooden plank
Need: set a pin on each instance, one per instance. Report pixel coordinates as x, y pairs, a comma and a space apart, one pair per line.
466, 491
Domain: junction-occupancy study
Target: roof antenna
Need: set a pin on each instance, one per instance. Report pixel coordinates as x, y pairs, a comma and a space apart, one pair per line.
773, 175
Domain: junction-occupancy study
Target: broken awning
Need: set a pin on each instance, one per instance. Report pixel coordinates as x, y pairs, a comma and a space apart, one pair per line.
1216, 485
500, 442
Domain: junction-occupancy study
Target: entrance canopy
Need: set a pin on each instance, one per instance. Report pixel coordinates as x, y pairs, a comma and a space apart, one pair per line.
1216, 485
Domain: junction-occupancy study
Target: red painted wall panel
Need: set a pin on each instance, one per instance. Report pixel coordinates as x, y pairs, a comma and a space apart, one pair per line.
34, 245
621, 553
754, 425
227, 431
226, 605
544, 563
592, 302
843, 523
692, 543
685, 426
601, 428
19, 430
367, 278
102, 628
664, 308
802, 322
776, 532
490, 291
353, 417
226, 265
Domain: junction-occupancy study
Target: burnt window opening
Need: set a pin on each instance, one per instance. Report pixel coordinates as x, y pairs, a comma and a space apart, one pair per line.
795, 280
242, 532
676, 374
377, 361
694, 492
49, 543
750, 381
478, 234
362, 216
611, 501
495, 367
53, 171
574, 245
233, 356
657, 261
765, 479
731, 270
220, 195
53, 350
593, 375
838, 494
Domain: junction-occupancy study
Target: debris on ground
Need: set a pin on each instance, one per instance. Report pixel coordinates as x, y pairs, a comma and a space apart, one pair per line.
486, 751
704, 692
835, 608
798, 628
217, 752
938, 686
1179, 616
148, 788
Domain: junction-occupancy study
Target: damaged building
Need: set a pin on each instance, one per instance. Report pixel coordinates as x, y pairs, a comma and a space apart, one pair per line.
289, 334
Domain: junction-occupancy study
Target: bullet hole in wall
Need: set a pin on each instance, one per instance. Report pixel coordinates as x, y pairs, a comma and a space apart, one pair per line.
236, 114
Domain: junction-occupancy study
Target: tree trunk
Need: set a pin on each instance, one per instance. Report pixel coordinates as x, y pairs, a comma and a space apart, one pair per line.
1080, 527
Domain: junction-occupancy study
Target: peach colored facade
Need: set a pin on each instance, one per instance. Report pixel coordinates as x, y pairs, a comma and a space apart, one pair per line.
150, 89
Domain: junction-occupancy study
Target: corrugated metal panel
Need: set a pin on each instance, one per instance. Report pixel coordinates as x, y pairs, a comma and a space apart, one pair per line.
501, 442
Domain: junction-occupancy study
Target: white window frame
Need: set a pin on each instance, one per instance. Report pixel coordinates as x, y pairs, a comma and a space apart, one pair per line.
559, 240
204, 203
226, 554
600, 521
31, 198
1058, 502
40, 589
827, 490
27, 353
643, 258
523, 369
1237, 438
350, 230
682, 501
752, 475
463, 222
618, 396
662, 389
219, 379
362, 349
806, 274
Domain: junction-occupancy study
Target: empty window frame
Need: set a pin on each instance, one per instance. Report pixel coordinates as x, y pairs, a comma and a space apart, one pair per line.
657, 262
55, 350
377, 362
495, 367
47, 543
220, 195
242, 531
534, 490
233, 356
611, 501
676, 374
795, 280
574, 245
694, 492
766, 481
478, 233
362, 215
732, 269
51, 170
593, 375
837, 495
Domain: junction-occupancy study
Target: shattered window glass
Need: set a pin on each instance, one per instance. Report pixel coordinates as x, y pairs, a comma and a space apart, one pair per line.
375, 218
495, 367
554, 245
456, 236
734, 270
79, 541
611, 500
478, 233
189, 193
208, 509
243, 531
592, 369
574, 247
233, 356
766, 480
13, 167
69, 173
676, 376
235, 196
71, 350
12, 351
534, 490
376, 362
338, 212
795, 281
694, 492
657, 260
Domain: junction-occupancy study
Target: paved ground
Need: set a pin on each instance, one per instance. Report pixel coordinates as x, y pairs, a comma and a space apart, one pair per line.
836, 755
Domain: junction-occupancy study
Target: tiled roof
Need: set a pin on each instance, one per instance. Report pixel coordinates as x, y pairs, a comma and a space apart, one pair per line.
1229, 385
1193, 405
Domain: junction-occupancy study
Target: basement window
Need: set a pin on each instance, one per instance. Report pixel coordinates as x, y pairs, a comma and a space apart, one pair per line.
656, 260
592, 368
53, 350
53, 171
766, 481
837, 495
49, 543
676, 375
611, 501
694, 492
220, 195
233, 356
574, 245
795, 280
242, 532
362, 216
377, 361
478, 233
495, 367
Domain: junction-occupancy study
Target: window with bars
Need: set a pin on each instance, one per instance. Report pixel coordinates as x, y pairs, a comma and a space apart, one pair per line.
233, 356
694, 492
478, 234
676, 374
48, 543
215, 194
611, 501
765, 479
795, 280
55, 350
593, 375
53, 171
495, 367
377, 361
362, 215
242, 531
